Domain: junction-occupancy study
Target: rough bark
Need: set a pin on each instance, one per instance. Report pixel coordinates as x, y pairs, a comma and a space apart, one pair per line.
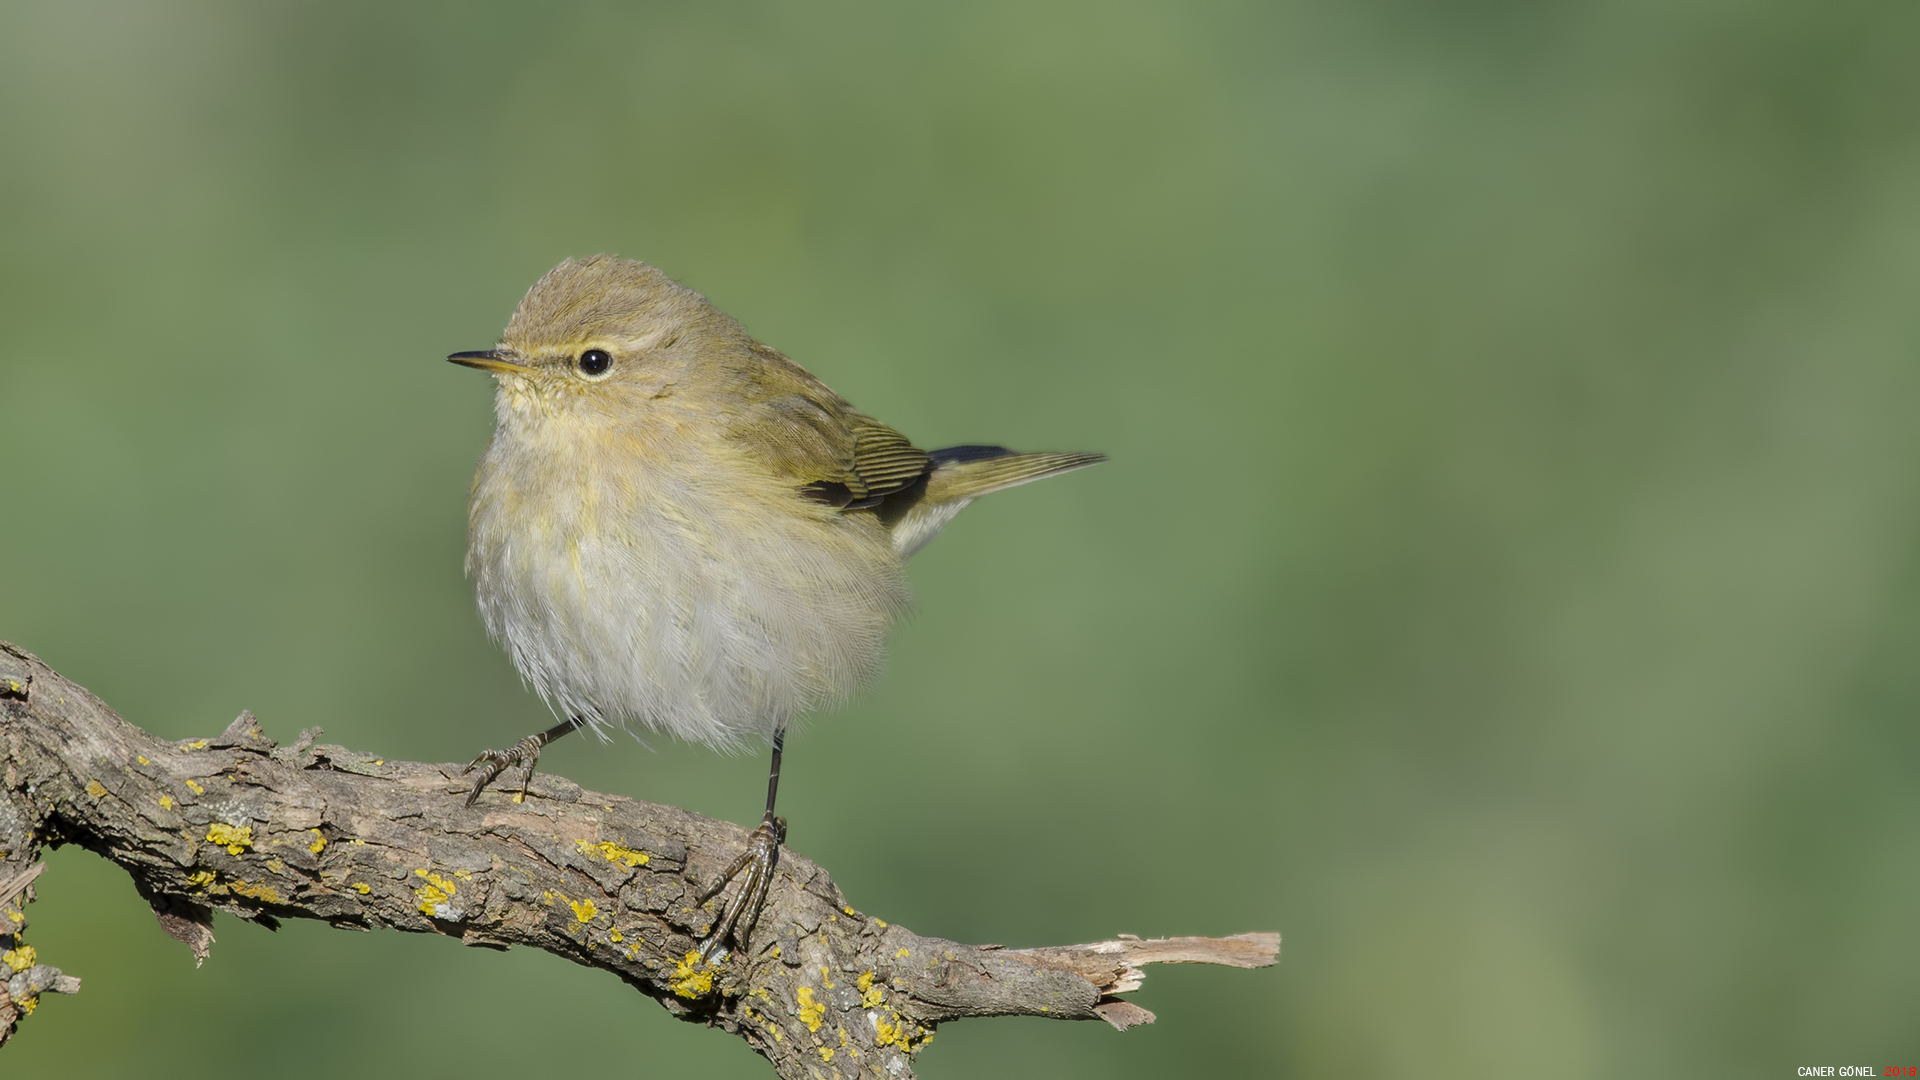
237, 823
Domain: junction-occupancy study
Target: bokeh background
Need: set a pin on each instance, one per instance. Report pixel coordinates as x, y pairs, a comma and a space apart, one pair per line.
1505, 583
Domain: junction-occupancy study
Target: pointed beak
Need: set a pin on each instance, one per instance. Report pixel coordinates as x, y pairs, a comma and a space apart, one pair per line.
489, 360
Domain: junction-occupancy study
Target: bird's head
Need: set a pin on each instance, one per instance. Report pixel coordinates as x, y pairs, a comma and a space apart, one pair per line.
603, 330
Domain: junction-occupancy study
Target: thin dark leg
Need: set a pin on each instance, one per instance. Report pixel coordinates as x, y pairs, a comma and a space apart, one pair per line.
759, 860
773, 771
525, 752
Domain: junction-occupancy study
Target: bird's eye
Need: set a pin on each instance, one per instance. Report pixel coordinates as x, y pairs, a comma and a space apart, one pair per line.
595, 361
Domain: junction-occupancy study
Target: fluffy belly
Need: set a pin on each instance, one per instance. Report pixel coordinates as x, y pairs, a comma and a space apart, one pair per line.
674, 606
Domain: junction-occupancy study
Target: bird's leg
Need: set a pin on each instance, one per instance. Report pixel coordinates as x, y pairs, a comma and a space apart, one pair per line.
492, 763
761, 856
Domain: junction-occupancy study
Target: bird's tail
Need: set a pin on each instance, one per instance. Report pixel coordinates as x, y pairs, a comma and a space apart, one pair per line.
967, 472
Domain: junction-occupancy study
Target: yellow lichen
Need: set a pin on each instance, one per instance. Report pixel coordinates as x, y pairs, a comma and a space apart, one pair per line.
276, 866
901, 955
94, 789
29, 1004
825, 979
826, 1052
897, 1031
435, 895
614, 853
195, 788
848, 910
207, 880
142, 759
319, 842
811, 1011
614, 936
870, 996
16, 916
19, 959
463, 875
903, 1037
881, 923
197, 744
235, 840
262, 891
687, 982
362, 888
166, 802
585, 910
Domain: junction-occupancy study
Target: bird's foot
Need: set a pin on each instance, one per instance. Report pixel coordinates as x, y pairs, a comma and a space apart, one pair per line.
761, 856
492, 763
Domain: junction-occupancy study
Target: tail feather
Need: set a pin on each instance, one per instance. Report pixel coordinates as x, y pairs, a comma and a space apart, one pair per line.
963, 473
967, 472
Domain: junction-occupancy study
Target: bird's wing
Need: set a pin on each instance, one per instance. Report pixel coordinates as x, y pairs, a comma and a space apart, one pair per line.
830, 451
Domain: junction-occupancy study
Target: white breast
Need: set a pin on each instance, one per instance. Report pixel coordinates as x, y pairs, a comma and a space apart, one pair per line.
670, 595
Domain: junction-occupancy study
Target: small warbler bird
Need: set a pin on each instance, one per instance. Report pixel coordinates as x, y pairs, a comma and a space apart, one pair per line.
678, 528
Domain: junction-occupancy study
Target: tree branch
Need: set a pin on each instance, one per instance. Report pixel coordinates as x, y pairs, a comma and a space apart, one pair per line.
237, 823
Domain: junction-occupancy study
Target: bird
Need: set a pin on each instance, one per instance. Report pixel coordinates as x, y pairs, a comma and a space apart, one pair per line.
676, 529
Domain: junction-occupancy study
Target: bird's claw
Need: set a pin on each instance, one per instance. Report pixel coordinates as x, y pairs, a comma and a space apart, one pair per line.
761, 856
492, 763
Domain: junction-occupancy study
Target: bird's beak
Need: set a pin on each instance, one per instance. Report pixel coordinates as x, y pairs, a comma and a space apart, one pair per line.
489, 360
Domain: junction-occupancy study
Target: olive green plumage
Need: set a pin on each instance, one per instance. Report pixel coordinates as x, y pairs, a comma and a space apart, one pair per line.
677, 527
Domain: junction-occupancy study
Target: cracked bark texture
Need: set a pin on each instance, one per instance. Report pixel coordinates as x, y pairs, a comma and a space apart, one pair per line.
237, 823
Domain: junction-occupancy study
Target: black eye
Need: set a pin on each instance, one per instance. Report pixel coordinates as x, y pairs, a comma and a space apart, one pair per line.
595, 361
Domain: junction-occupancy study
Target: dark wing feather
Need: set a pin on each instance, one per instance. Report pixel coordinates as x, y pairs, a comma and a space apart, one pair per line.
833, 453
883, 458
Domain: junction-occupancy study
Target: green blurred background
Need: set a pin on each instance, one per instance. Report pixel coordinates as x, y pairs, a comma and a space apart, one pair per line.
1504, 584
